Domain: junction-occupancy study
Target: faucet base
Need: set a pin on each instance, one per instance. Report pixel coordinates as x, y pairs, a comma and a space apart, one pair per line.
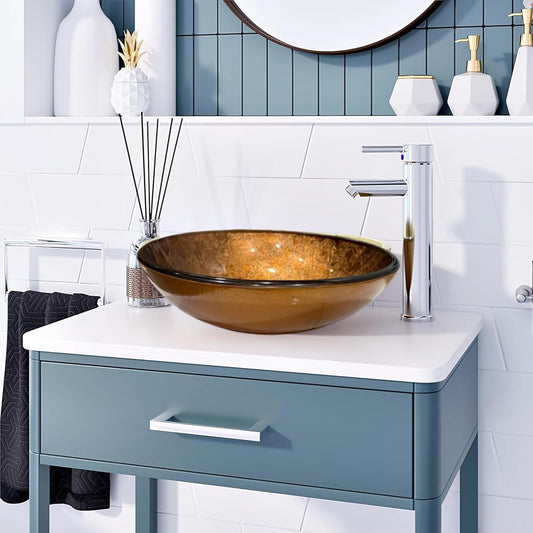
424, 318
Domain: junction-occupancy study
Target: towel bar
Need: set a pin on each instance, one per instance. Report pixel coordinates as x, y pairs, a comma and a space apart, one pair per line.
87, 245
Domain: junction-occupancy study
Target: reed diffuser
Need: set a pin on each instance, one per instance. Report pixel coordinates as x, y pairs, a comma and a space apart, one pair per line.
150, 190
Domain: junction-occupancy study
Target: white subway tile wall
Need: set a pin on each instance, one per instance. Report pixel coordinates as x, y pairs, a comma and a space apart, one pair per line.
251, 151
110, 195
42, 150
21, 212
303, 205
73, 181
250, 507
505, 514
335, 150
483, 153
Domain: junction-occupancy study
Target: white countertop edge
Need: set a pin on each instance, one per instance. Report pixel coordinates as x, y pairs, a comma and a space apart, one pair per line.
41, 340
281, 364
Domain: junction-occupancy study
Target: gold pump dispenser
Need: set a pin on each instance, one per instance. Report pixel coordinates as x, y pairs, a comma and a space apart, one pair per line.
473, 64
526, 39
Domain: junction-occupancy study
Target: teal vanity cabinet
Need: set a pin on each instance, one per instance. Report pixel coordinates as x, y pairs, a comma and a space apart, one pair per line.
371, 410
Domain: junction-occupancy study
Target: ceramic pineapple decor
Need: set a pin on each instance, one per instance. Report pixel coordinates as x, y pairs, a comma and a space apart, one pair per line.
130, 92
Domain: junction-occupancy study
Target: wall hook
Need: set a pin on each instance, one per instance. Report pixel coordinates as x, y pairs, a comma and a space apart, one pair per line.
524, 293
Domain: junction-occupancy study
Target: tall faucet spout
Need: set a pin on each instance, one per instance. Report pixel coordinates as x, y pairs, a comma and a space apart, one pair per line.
377, 188
416, 189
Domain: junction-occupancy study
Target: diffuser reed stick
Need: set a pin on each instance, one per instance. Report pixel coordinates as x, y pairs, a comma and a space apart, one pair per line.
164, 164
153, 179
148, 169
158, 215
131, 166
155, 166
144, 166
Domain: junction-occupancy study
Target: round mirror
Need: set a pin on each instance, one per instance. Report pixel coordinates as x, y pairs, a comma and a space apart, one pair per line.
331, 26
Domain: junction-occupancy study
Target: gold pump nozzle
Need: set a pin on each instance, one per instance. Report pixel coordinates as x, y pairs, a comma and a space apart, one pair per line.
473, 64
526, 39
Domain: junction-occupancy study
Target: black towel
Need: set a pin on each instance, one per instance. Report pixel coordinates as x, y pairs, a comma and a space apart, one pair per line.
80, 489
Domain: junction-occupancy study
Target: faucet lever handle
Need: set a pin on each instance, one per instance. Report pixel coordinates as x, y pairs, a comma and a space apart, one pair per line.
411, 153
383, 149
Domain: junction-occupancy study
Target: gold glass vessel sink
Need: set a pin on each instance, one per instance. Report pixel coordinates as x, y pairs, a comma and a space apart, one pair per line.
259, 281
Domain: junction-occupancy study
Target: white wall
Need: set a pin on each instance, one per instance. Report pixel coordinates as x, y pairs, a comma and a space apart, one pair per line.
72, 180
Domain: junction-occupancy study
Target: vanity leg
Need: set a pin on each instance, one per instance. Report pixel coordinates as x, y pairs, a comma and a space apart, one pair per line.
469, 480
145, 505
39, 495
428, 516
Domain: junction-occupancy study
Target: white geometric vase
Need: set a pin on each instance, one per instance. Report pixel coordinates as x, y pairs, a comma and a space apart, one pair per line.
130, 92
85, 62
416, 96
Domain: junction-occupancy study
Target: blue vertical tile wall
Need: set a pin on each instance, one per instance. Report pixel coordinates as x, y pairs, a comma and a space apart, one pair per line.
224, 68
305, 83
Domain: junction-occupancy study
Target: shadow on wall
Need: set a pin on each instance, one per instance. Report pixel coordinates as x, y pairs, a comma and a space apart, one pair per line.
476, 278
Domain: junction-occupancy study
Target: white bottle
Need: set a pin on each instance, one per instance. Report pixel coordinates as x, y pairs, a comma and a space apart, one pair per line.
86, 61
473, 93
155, 20
520, 95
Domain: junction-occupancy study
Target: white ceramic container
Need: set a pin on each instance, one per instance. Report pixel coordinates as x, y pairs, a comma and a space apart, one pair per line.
416, 96
86, 61
155, 21
520, 95
473, 94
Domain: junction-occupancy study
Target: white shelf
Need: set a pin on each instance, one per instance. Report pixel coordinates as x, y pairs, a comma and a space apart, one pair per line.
446, 120
31, 27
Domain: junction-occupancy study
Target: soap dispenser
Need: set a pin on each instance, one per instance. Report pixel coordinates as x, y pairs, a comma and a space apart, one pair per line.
520, 95
473, 93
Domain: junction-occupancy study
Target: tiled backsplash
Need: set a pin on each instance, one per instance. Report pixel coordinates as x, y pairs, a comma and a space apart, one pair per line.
224, 68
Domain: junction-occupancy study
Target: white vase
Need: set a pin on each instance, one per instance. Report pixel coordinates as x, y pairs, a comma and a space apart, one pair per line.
155, 22
130, 92
86, 61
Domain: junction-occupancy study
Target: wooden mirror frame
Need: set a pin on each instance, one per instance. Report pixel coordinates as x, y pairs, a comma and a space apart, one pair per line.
252, 25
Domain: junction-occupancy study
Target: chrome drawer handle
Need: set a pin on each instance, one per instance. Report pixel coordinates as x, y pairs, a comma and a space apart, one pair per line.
163, 423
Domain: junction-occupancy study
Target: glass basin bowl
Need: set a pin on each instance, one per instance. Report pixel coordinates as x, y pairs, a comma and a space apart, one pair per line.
260, 281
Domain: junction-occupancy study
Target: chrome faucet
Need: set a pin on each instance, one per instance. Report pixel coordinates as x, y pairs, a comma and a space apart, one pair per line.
417, 189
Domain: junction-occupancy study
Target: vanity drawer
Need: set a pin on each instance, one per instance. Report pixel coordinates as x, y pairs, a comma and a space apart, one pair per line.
323, 436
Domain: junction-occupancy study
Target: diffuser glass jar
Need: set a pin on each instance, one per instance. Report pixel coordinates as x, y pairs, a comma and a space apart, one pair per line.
139, 289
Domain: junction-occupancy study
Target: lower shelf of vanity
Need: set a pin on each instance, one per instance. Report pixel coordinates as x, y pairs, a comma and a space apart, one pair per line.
367, 441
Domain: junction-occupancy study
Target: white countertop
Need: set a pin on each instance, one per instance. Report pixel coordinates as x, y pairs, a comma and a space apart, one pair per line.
373, 344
